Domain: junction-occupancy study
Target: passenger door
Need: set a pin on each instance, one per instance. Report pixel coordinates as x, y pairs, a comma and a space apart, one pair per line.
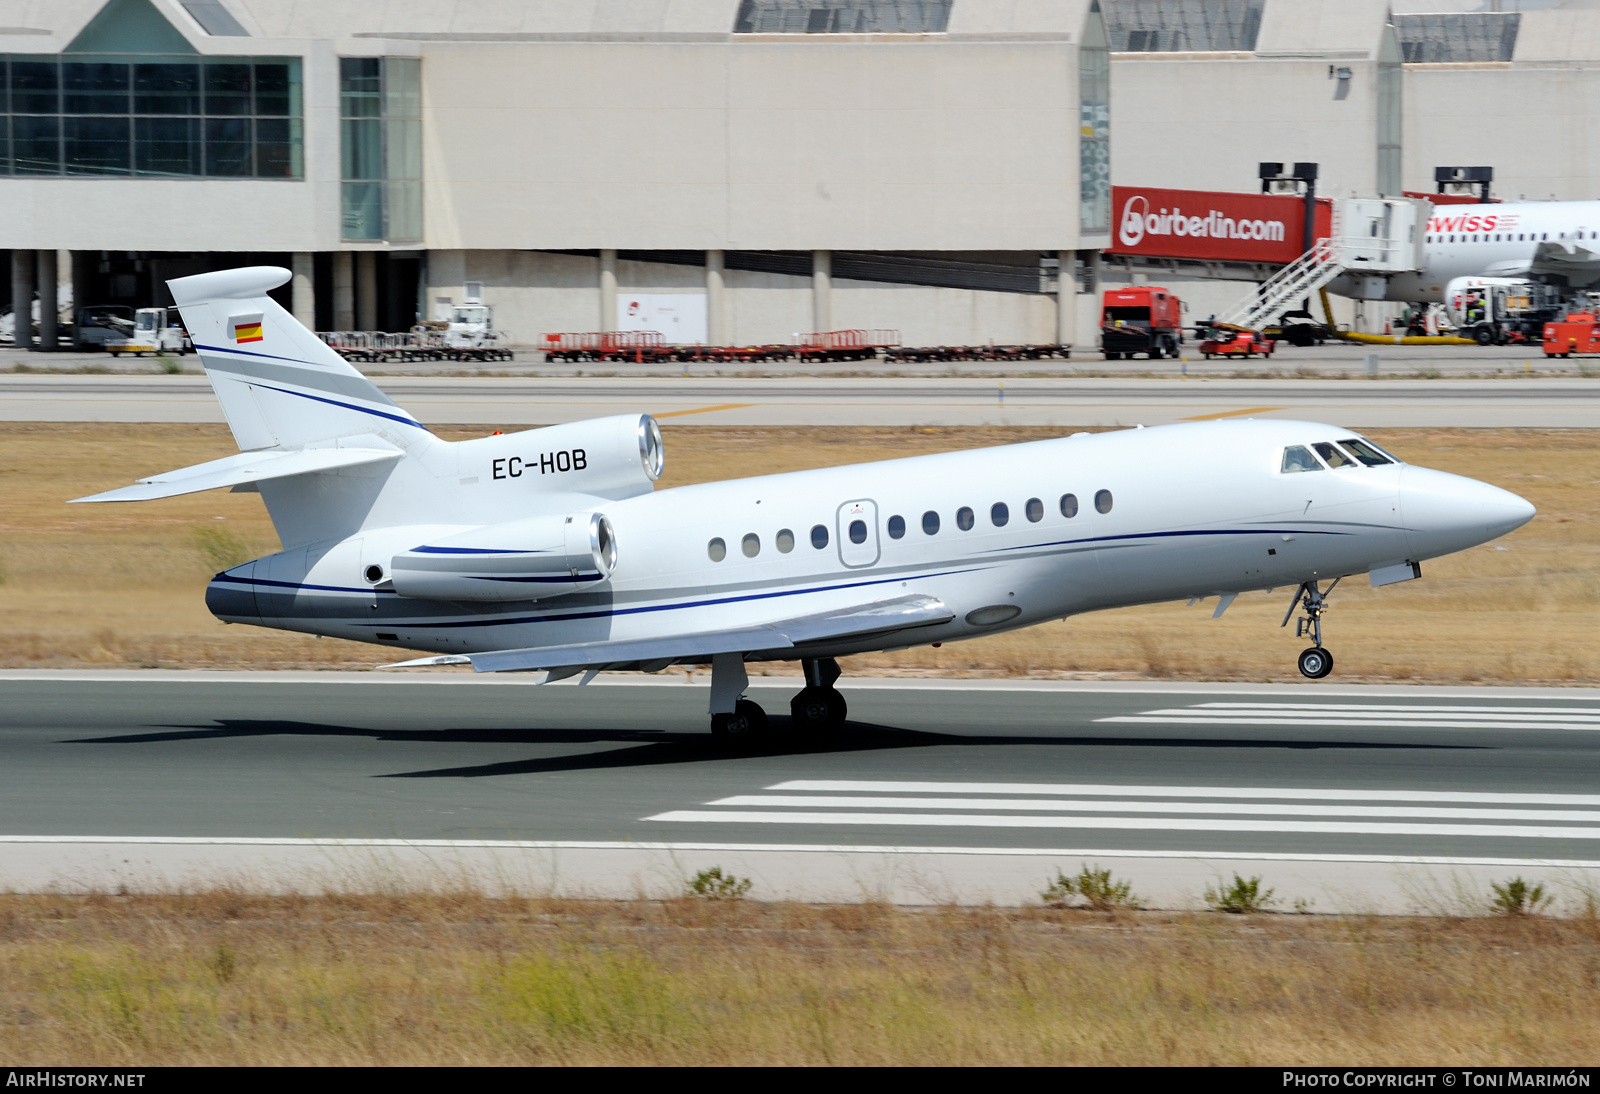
858, 533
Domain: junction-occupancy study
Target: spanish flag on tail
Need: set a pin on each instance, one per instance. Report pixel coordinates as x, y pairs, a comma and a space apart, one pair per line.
245, 328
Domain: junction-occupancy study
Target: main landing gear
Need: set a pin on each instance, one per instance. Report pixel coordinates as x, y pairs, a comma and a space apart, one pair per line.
818, 706
1316, 662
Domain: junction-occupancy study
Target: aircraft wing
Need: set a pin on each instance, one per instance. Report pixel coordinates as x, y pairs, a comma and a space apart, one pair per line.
878, 617
1579, 263
246, 467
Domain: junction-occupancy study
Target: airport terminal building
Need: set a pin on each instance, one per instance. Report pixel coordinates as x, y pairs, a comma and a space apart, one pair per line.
753, 169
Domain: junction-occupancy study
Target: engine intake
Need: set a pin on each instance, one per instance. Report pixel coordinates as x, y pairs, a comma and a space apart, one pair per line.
531, 559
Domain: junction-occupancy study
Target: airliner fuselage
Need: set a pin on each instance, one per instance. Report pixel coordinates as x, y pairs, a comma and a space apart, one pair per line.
1544, 239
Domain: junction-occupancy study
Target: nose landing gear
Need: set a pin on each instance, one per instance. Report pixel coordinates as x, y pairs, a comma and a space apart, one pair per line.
819, 706
1316, 662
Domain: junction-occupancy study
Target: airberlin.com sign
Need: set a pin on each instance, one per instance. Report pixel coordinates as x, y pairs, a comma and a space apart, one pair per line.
1211, 225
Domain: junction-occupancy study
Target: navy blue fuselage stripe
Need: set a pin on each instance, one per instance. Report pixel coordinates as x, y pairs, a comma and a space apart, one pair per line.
1167, 535
303, 395
475, 551
346, 406
296, 585
252, 353
525, 580
595, 615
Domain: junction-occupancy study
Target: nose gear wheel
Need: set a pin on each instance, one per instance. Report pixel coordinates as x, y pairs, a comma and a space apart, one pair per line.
1316, 662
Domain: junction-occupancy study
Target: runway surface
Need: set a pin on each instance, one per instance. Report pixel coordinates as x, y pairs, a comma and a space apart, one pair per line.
1571, 402
936, 790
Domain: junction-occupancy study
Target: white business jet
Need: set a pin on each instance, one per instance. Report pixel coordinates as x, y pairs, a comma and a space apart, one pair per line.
550, 550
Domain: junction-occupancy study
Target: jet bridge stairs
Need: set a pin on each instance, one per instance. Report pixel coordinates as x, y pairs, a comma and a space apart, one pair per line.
1372, 238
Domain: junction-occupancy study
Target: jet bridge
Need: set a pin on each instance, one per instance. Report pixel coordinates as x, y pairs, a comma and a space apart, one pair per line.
1372, 239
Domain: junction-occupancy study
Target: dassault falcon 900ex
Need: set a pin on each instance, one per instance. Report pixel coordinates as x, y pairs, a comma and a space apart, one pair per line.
551, 550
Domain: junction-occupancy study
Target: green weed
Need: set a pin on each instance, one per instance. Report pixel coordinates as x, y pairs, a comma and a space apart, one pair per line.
713, 884
1094, 887
1240, 898
1517, 897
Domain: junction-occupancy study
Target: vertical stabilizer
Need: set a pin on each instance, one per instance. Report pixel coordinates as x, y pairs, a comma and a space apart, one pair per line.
280, 385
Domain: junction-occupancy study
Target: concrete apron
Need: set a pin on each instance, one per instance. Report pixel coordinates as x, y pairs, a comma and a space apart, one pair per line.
810, 873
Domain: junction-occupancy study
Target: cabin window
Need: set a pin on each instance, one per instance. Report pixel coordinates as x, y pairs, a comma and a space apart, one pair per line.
964, 519
1333, 456
750, 545
1035, 510
819, 536
1298, 457
999, 514
785, 540
930, 523
1102, 501
897, 526
1364, 452
1069, 505
858, 531
717, 550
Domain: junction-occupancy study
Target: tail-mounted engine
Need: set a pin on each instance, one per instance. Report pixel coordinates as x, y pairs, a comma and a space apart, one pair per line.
615, 457
529, 559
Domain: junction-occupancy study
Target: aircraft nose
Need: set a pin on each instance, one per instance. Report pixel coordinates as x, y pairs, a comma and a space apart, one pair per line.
1445, 513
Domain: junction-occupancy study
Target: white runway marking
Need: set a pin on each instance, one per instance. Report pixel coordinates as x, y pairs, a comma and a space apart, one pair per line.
823, 801
1371, 715
1099, 806
1169, 824
1298, 793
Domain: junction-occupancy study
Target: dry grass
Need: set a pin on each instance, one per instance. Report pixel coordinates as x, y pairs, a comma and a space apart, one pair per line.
122, 585
224, 978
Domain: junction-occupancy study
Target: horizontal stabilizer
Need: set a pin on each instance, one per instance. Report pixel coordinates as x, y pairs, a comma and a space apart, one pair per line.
879, 617
246, 467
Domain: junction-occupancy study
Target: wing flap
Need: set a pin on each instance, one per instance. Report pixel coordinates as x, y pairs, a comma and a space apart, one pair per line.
884, 616
245, 468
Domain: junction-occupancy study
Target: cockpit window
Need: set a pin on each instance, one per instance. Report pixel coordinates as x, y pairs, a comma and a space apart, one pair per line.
1364, 452
1299, 458
1385, 451
1335, 458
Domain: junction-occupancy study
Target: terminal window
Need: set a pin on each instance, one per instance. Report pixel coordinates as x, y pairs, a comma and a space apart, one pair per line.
842, 17
1164, 26
151, 116
380, 139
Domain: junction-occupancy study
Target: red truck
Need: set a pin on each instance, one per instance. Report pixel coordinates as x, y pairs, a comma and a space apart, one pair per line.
1140, 319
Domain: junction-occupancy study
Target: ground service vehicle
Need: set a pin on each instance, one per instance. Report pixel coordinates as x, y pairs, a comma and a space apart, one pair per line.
1577, 333
102, 323
1495, 310
155, 330
1140, 319
1236, 343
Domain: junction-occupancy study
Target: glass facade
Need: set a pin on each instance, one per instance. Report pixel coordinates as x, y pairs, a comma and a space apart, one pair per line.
1458, 37
380, 141
842, 17
1160, 26
169, 117
1391, 87
1094, 134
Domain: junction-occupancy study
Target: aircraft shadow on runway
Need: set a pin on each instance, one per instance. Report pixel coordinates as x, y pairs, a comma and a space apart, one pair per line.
651, 748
